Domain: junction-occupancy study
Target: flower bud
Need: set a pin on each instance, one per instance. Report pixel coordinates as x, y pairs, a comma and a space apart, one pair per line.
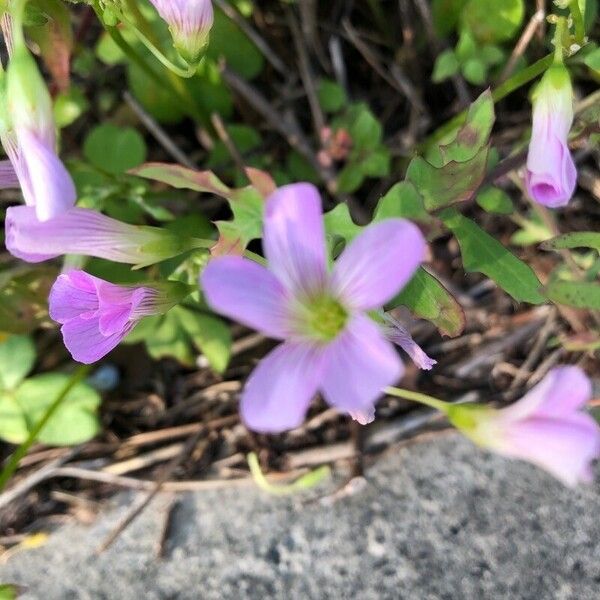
551, 175
96, 315
546, 427
89, 233
28, 135
190, 22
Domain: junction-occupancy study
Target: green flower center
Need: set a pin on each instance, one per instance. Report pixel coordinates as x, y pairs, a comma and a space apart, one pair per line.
326, 318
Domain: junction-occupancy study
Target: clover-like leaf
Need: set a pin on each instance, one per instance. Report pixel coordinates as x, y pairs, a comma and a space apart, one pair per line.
17, 355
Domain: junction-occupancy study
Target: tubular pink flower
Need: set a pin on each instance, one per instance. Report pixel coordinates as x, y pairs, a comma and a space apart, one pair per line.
190, 22
546, 427
551, 175
8, 176
87, 232
28, 134
96, 315
329, 342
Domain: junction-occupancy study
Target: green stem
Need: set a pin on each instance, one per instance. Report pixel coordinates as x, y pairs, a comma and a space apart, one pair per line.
22, 450
578, 21
518, 80
181, 96
559, 33
257, 258
418, 397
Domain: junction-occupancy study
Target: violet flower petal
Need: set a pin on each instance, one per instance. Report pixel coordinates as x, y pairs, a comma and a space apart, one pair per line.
294, 238
564, 447
399, 335
71, 295
85, 342
8, 176
378, 263
51, 184
563, 390
359, 364
279, 391
247, 292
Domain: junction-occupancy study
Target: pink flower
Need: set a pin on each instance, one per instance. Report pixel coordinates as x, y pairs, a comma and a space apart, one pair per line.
89, 233
546, 427
551, 175
96, 315
330, 344
399, 335
28, 135
190, 22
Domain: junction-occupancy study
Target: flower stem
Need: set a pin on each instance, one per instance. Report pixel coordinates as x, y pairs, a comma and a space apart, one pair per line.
578, 21
21, 451
418, 397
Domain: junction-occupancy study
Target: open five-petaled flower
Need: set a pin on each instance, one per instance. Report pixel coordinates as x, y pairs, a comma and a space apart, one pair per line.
330, 344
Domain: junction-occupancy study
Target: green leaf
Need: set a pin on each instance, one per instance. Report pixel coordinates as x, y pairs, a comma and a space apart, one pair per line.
376, 163
475, 71
17, 356
183, 178
493, 20
210, 335
584, 239
533, 231
428, 299
114, 149
339, 224
229, 43
74, 422
350, 179
8, 591
446, 65
592, 60
247, 206
445, 15
577, 294
402, 202
332, 96
365, 130
495, 200
69, 106
466, 47
492, 55
452, 183
473, 136
484, 254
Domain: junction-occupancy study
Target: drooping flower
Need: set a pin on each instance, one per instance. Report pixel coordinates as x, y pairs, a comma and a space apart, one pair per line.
551, 175
89, 233
28, 135
546, 427
190, 22
399, 335
96, 315
330, 344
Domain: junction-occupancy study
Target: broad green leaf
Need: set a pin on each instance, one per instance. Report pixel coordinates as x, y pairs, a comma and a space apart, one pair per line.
578, 294
365, 130
446, 65
69, 106
209, 334
402, 202
228, 42
493, 20
74, 422
332, 96
592, 60
114, 149
475, 71
164, 336
445, 15
8, 591
473, 136
484, 254
339, 223
244, 138
584, 239
350, 179
17, 356
247, 206
495, 200
428, 299
454, 182
533, 230
376, 163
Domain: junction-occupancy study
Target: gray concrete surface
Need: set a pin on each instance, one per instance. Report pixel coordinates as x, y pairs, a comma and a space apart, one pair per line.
438, 520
